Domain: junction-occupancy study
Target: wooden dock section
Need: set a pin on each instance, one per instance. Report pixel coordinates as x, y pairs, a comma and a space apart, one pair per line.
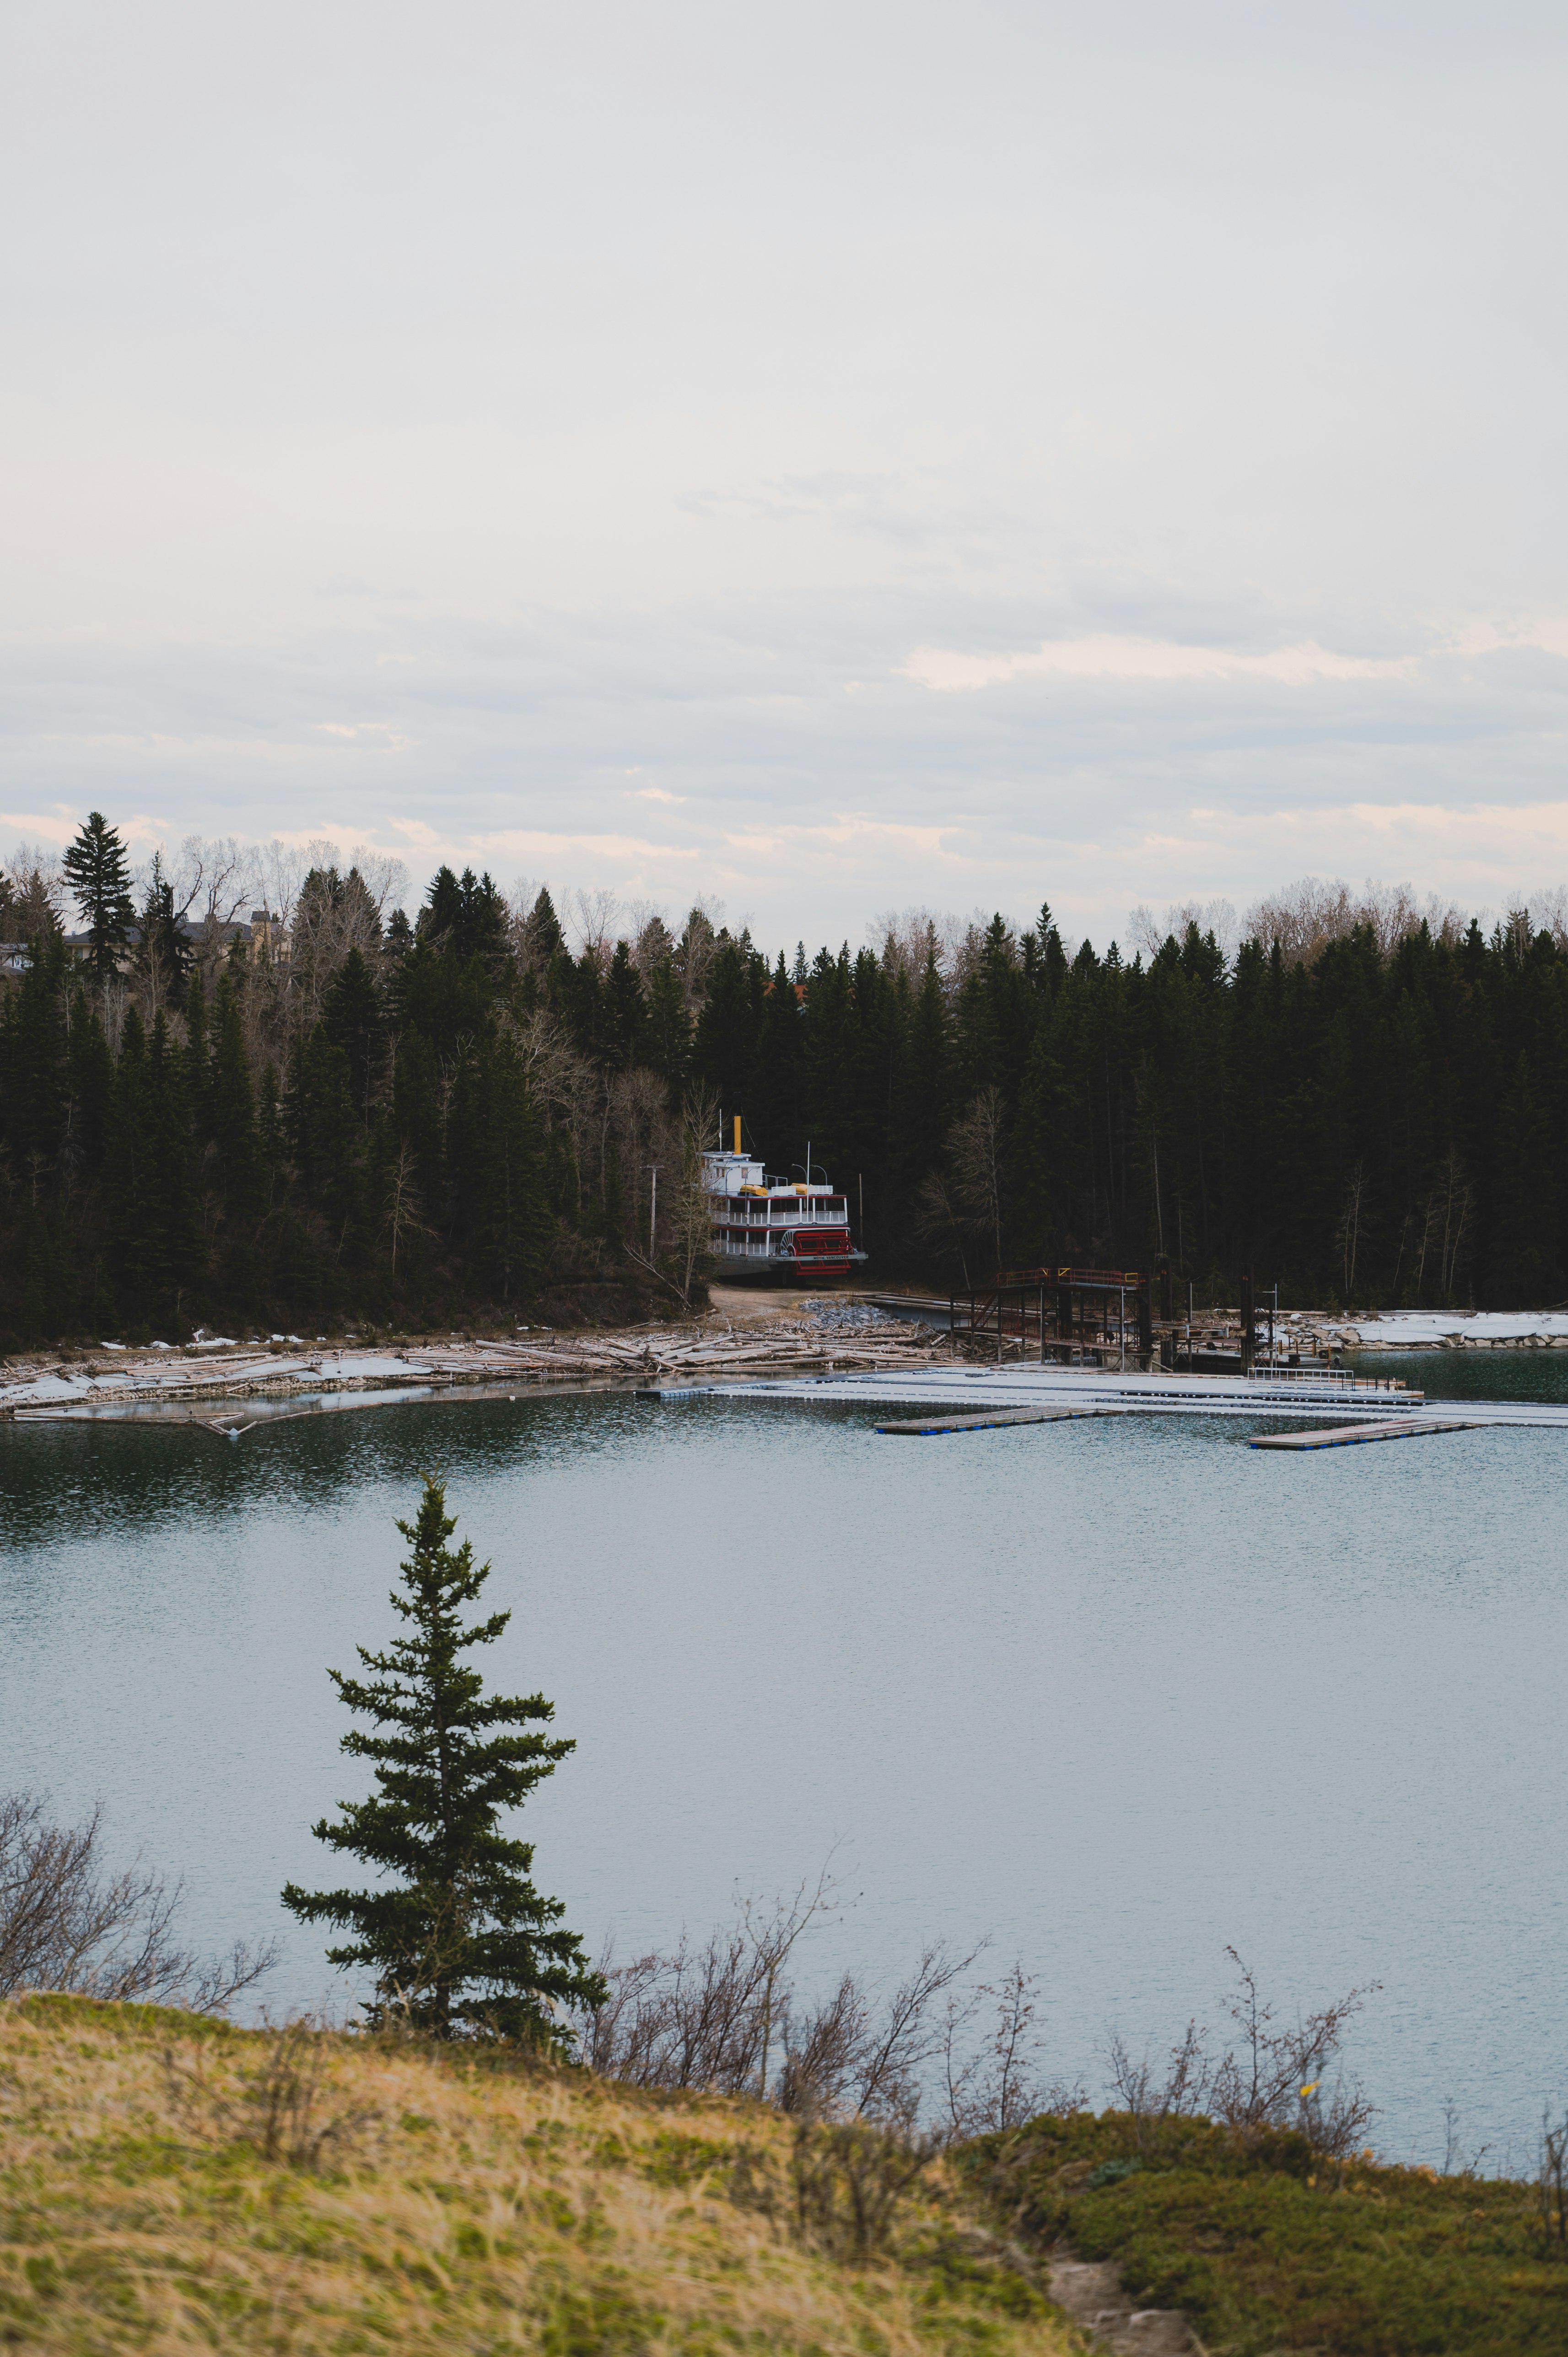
1352, 1436
939, 1422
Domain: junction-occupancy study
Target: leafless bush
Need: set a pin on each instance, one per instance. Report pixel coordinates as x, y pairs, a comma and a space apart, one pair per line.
849, 2183
842, 2190
277, 2107
1274, 2075
1552, 2178
68, 1923
1000, 2086
728, 2016
1454, 2161
1152, 2096
713, 2017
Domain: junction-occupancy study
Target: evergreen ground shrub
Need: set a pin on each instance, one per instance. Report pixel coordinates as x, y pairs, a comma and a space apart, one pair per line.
1265, 2246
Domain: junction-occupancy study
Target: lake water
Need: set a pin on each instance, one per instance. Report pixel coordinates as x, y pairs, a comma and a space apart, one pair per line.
1115, 1693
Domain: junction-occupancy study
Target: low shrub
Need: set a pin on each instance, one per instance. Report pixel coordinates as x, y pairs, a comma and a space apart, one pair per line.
1266, 2246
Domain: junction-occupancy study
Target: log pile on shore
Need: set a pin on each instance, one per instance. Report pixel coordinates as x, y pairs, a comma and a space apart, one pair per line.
275, 1371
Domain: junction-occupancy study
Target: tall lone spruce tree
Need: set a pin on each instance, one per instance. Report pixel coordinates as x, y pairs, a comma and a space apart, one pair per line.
99, 874
460, 1939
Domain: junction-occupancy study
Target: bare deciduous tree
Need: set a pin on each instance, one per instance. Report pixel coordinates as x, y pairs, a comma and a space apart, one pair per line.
591, 916
685, 1243
68, 1923
403, 1220
1305, 917
976, 1149
1352, 1226
1445, 1223
1149, 933
32, 895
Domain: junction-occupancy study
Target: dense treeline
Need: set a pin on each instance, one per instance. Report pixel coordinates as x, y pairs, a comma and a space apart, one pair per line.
459, 1116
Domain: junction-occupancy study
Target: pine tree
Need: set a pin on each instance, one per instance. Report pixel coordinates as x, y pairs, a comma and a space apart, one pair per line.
669, 1028
460, 1937
130, 1160
164, 955
100, 877
352, 1014
238, 1166
626, 1010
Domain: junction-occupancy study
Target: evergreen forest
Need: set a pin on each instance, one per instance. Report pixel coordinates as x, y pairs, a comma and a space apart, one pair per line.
370, 1120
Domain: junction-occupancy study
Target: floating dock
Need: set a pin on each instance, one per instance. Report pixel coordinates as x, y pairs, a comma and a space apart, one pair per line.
1351, 1436
921, 1395
936, 1422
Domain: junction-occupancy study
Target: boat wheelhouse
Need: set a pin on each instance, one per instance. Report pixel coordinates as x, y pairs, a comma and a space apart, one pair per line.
766, 1227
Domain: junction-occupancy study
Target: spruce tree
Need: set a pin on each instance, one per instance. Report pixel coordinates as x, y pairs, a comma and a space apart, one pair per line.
131, 1163
352, 1014
460, 1937
100, 877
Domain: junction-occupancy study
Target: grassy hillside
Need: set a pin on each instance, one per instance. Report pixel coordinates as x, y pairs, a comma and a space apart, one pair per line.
171, 2184
1268, 2248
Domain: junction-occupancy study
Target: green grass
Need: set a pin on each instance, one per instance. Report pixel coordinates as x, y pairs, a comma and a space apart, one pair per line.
418, 2202
1267, 2249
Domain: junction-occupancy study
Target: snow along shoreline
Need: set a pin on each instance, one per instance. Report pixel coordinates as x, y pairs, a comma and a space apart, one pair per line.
1453, 1330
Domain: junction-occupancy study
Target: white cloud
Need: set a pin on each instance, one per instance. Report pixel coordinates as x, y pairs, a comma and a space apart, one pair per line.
1182, 395
1108, 657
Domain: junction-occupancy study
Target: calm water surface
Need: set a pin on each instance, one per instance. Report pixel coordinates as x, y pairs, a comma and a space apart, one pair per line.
1116, 1694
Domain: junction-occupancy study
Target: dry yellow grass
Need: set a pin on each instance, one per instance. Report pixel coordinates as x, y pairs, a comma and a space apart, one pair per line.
459, 2207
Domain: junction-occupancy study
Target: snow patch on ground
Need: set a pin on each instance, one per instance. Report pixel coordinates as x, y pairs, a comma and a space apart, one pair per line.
1422, 1329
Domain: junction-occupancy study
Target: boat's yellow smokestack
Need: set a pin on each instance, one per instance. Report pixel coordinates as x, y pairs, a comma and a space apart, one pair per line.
737, 1132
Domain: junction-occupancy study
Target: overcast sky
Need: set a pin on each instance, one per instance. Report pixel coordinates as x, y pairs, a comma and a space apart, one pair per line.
830, 457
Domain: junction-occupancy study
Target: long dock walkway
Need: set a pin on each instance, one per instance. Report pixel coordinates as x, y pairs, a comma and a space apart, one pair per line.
985, 1390
1355, 1436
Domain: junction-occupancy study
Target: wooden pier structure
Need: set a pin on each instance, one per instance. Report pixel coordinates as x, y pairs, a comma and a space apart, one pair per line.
1078, 1317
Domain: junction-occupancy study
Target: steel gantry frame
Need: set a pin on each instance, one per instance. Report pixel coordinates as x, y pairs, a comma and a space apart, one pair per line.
1073, 1313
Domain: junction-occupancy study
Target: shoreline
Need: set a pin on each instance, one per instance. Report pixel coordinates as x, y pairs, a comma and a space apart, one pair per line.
745, 1333
161, 1385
